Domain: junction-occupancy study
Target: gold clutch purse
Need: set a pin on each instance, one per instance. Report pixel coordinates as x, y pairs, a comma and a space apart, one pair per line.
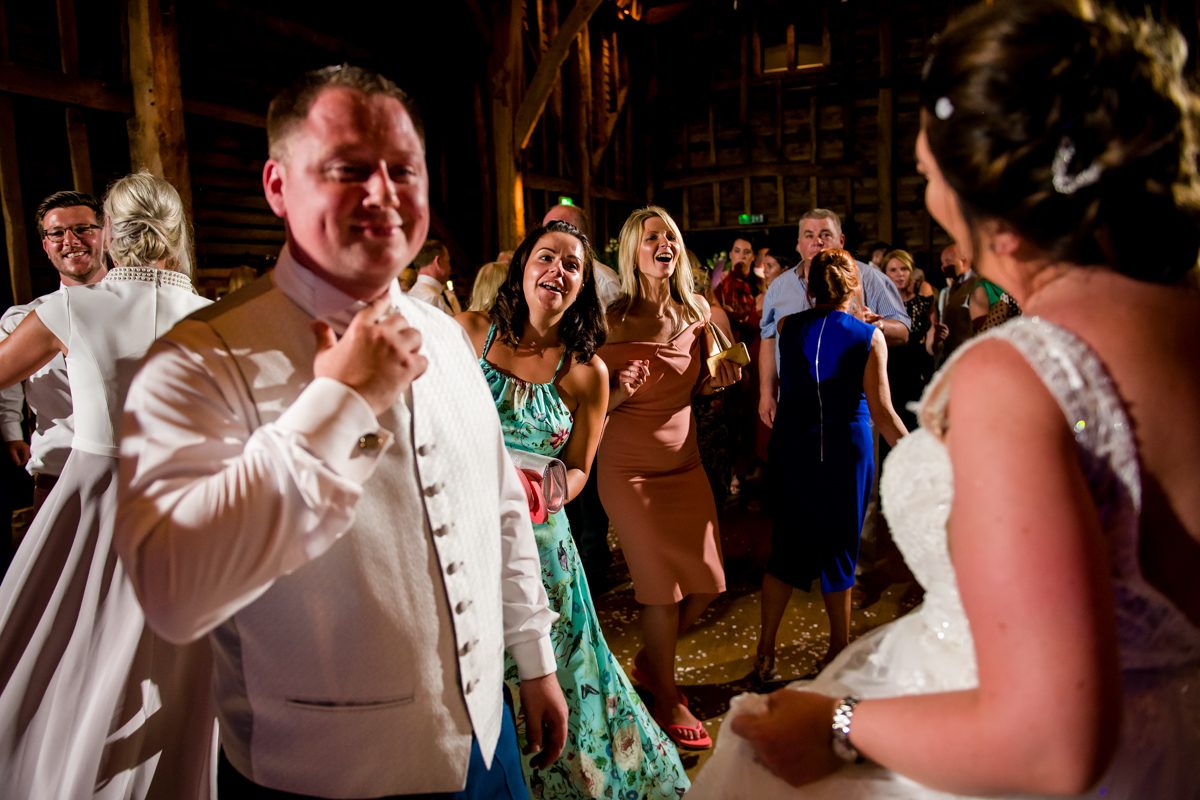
721, 349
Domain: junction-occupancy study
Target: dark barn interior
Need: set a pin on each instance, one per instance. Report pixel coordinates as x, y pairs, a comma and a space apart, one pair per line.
715, 109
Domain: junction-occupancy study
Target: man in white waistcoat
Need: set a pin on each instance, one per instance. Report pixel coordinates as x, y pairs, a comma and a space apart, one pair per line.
313, 476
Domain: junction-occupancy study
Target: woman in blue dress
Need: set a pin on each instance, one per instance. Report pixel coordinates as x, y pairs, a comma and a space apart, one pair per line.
833, 383
536, 348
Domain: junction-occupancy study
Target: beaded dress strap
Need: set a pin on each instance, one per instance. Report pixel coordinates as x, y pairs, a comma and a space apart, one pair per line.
487, 344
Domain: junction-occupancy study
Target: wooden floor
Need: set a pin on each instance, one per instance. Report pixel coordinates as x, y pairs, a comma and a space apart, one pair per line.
716, 658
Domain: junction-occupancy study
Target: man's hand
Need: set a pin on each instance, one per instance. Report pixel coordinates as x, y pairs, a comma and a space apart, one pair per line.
867, 315
791, 738
378, 356
545, 712
18, 451
941, 332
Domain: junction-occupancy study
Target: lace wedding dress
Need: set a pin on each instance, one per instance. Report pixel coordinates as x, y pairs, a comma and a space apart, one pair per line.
930, 650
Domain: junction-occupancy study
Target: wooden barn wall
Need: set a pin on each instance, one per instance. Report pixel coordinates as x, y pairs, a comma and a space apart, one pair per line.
654, 101
727, 140
583, 146
730, 140
67, 112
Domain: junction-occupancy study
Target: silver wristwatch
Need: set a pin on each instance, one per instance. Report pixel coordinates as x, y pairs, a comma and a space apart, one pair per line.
843, 715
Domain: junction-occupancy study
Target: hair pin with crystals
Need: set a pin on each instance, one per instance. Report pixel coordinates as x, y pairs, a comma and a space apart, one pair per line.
1065, 183
943, 108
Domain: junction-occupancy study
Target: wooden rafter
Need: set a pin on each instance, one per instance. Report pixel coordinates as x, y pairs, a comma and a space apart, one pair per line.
90, 93
610, 125
548, 71
12, 206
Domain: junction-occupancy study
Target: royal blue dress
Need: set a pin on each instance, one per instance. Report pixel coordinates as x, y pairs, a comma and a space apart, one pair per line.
821, 455
614, 748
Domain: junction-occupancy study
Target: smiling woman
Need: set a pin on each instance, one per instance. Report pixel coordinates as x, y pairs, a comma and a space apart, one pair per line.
536, 348
652, 482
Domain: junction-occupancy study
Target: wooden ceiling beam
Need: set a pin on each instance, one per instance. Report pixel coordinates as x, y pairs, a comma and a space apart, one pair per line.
89, 93
48, 85
548, 71
610, 125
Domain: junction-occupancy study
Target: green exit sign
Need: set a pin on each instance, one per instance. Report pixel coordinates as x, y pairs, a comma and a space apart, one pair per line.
750, 219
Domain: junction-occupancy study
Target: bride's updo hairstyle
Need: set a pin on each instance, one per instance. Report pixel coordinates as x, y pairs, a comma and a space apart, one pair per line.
832, 277
146, 224
1072, 125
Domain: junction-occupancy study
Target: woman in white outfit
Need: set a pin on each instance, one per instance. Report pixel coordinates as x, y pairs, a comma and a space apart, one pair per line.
91, 702
1049, 503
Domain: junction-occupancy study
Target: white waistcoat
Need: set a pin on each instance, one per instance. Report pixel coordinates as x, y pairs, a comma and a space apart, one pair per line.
364, 672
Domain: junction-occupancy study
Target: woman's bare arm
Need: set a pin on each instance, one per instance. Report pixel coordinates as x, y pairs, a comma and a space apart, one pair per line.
585, 386
879, 393
1032, 572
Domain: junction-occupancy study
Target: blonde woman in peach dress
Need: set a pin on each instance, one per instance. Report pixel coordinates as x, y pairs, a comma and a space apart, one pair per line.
652, 482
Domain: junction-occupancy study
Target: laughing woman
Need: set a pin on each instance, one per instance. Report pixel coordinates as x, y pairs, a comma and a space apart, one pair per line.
536, 348
652, 482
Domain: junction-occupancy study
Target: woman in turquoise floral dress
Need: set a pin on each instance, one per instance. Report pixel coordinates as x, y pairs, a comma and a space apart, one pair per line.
536, 348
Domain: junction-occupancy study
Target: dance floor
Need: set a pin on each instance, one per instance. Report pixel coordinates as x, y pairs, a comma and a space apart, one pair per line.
716, 659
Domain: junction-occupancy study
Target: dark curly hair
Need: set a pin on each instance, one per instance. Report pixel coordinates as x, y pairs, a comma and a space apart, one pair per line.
582, 329
1009, 83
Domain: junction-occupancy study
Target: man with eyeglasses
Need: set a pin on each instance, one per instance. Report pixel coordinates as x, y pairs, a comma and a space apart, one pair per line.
69, 225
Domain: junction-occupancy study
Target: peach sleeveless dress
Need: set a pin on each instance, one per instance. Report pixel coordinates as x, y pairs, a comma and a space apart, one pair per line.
651, 480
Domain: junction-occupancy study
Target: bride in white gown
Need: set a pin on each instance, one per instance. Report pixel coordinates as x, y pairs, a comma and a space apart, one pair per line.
1049, 503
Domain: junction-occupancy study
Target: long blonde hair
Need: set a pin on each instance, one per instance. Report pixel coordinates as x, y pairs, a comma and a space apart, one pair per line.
487, 285
682, 284
146, 224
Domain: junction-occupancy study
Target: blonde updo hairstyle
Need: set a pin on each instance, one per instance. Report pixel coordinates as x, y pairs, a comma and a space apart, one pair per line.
146, 224
832, 277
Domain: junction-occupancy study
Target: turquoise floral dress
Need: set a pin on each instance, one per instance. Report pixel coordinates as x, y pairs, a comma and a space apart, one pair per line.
614, 748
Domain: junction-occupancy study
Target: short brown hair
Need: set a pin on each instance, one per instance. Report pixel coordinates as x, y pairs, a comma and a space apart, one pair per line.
67, 200
433, 248
291, 106
832, 277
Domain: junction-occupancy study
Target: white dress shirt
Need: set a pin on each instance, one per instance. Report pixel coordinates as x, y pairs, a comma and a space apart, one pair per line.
429, 289
608, 283
358, 614
49, 396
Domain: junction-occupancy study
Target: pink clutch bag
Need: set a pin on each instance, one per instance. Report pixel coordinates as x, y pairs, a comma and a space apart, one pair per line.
551, 472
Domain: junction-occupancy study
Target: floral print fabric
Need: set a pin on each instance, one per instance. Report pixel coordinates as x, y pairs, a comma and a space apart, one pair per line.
614, 748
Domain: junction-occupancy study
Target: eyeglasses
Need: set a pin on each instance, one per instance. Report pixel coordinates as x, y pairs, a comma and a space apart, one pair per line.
56, 235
